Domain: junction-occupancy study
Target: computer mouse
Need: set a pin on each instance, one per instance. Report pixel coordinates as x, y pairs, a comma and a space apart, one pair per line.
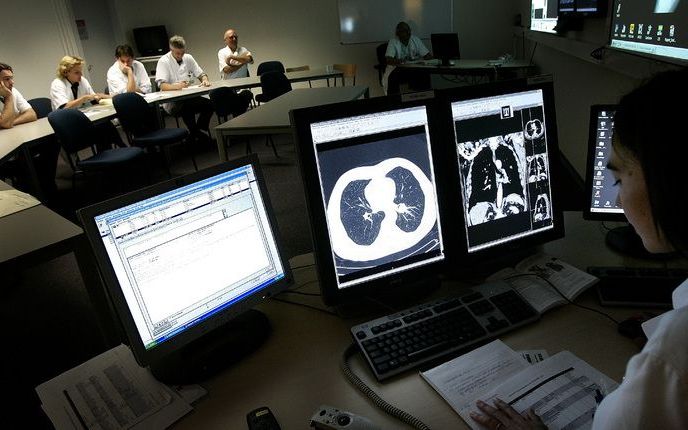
632, 327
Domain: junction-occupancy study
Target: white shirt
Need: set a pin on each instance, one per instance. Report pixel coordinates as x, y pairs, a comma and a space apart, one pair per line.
20, 103
117, 80
654, 392
242, 71
413, 51
61, 92
170, 72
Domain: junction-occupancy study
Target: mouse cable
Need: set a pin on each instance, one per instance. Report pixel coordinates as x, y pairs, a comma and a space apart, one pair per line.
304, 305
372, 395
587, 308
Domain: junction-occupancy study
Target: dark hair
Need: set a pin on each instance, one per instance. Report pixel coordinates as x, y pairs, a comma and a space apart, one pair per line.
124, 51
4, 66
650, 123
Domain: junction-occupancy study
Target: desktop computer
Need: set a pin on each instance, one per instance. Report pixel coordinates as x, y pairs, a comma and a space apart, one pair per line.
445, 46
184, 262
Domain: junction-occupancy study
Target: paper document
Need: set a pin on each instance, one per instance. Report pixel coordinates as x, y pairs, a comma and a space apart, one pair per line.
110, 391
12, 201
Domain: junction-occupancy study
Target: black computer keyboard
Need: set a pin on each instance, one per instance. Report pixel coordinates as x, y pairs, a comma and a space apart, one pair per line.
407, 339
637, 286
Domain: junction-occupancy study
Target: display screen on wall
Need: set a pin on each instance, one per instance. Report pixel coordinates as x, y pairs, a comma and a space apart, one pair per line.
653, 27
543, 15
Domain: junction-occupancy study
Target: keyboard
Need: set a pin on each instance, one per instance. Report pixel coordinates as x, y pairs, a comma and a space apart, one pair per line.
637, 286
408, 339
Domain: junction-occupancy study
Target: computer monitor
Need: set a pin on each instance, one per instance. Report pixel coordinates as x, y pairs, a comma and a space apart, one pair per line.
184, 261
502, 171
151, 41
445, 46
655, 28
372, 197
587, 8
543, 15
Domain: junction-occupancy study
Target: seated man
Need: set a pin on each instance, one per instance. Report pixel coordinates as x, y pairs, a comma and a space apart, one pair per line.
14, 109
403, 48
174, 72
233, 63
127, 75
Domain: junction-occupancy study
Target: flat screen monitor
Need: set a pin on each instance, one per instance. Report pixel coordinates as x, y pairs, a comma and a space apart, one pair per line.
185, 259
543, 15
593, 8
372, 196
503, 169
602, 194
445, 46
151, 41
657, 28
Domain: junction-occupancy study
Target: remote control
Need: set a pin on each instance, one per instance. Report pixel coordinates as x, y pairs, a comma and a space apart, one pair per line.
262, 419
331, 418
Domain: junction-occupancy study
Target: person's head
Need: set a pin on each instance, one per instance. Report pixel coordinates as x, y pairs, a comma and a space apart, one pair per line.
403, 32
70, 68
7, 75
231, 39
648, 160
177, 47
125, 55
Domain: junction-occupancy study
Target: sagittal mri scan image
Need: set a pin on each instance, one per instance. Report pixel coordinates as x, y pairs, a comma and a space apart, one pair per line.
379, 210
493, 174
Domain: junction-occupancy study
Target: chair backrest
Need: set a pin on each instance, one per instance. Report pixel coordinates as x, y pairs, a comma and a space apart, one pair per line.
73, 129
380, 52
42, 106
348, 71
274, 84
297, 69
270, 66
226, 102
134, 114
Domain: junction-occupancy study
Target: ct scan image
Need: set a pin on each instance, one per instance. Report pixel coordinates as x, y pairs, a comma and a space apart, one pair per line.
537, 168
380, 202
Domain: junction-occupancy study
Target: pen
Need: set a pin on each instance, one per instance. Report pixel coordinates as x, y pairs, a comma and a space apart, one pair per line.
74, 409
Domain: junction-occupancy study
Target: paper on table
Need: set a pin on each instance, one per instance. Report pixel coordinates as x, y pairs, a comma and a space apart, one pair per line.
533, 356
110, 391
465, 379
12, 201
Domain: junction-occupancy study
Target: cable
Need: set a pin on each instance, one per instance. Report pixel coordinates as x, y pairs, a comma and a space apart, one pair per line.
303, 267
372, 395
533, 54
562, 295
305, 306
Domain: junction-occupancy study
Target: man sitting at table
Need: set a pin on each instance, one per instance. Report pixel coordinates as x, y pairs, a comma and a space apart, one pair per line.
405, 47
233, 63
14, 109
127, 75
175, 70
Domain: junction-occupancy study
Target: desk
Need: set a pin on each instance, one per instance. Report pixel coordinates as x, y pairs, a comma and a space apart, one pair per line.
297, 370
273, 117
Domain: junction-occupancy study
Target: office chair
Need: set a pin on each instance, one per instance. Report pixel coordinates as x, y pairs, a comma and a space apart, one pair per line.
76, 133
140, 125
381, 61
270, 66
227, 102
348, 71
42, 106
300, 69
273, 84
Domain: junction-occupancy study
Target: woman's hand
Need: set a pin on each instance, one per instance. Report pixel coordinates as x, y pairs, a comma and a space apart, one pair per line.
503, 417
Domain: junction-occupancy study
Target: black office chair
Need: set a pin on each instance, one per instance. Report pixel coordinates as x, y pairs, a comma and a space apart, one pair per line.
381, 61
42, 106
227, 102
76, 133
273, 84
270, 66
141, 127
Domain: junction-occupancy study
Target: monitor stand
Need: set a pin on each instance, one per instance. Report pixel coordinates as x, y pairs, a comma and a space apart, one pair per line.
626, 241
215, 350
446, 62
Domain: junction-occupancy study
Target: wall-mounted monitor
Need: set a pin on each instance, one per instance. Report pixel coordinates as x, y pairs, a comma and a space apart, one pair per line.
657, 28
543, 15
151, 40
582, 8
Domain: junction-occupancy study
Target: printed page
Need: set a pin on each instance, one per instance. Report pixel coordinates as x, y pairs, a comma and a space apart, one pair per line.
465, 379
570, 280
563, 390
12, 201
537, 292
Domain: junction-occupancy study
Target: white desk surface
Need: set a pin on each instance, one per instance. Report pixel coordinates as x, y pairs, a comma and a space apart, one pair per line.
297, 369
273, 116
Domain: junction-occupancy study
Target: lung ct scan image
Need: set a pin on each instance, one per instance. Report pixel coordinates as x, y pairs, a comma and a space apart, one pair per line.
380, 201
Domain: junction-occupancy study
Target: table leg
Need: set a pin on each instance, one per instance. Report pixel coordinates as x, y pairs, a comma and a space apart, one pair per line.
221, 147
35, 181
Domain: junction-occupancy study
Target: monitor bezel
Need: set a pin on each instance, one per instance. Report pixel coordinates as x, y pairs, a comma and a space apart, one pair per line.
114, 291
590, 167
459, 256
301, 120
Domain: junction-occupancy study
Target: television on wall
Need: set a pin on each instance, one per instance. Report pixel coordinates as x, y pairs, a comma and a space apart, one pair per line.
151, 41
